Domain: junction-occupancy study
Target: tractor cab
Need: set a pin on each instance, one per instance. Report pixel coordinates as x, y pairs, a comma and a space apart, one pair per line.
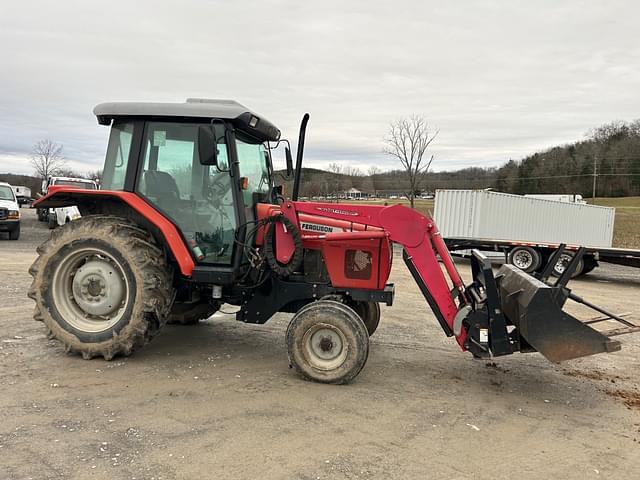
203, 164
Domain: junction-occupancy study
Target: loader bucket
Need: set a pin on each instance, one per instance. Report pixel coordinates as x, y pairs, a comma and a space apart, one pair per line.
535, 308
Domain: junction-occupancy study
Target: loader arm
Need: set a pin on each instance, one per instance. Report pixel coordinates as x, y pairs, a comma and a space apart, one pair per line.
421, 240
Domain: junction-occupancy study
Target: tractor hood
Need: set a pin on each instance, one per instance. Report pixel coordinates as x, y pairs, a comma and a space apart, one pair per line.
197, 108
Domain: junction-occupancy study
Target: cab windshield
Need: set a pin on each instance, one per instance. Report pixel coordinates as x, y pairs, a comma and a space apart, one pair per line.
6, 193
254, 165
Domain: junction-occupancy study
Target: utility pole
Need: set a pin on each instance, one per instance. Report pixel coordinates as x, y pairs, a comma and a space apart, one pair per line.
595, 175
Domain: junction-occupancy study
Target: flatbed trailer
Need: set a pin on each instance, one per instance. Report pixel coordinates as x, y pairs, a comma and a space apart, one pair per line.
520, 253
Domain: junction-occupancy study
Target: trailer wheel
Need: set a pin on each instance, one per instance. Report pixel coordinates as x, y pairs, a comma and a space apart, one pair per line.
327, 342
526, 259
564, 260
101, 286
589, 264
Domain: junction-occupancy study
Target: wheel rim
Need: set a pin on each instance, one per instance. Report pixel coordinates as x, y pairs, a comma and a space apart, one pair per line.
562, 263
325, 346
90, 290
523, 259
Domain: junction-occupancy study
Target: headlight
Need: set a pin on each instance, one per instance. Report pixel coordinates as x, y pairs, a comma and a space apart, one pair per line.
14, 215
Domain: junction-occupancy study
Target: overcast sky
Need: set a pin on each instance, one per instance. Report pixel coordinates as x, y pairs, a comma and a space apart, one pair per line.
500, 79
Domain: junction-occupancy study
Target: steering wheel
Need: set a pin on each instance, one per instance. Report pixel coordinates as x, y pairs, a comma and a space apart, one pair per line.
217, 187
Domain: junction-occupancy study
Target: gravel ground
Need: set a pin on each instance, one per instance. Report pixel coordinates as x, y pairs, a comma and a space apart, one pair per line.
218, 401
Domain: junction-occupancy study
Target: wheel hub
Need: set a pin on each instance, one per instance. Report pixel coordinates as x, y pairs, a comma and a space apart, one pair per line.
98, 289
522, 260
325, 346
562, 263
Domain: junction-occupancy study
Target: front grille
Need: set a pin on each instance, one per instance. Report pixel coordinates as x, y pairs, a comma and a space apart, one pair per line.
4, 213
358, 264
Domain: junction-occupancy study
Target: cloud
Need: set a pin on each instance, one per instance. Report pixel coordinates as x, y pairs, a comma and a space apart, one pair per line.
500, 79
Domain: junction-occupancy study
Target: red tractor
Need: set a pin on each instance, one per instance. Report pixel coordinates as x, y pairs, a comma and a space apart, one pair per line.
189, 218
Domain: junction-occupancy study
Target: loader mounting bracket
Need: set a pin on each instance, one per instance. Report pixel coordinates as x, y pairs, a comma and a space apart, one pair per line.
289, 295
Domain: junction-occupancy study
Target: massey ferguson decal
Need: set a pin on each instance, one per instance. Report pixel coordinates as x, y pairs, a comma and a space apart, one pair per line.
315, 227
337, 211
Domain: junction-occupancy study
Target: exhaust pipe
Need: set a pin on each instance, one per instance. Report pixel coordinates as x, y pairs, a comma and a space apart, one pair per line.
298, 174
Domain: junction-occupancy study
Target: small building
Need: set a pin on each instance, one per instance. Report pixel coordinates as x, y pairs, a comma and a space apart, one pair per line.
354, 194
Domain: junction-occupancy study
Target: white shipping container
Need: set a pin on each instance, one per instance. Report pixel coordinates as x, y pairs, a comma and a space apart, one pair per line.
484, 214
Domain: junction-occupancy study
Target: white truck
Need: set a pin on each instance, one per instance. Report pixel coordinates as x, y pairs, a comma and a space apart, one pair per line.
558, 197
23, 194
59, 216
525, 231
9, 212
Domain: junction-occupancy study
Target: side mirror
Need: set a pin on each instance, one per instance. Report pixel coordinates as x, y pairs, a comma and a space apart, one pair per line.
287, 154
207, 145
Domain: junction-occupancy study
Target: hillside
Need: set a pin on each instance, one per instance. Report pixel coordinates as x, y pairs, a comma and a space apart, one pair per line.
23, 180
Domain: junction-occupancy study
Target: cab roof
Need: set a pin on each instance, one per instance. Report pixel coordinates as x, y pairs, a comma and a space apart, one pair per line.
202, 108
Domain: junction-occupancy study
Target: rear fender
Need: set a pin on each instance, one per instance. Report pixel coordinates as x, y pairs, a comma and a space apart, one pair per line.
128, 205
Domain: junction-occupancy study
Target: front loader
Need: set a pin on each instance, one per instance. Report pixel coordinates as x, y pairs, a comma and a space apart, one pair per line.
189, 217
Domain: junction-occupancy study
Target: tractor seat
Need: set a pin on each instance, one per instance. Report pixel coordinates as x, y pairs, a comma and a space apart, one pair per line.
161, 186
162, 189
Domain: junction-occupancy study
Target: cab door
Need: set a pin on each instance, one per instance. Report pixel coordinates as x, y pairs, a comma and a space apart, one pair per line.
197, 198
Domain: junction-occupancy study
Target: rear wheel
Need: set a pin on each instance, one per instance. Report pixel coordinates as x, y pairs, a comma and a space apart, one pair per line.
327, 342
190, 314
101, 286
526, 259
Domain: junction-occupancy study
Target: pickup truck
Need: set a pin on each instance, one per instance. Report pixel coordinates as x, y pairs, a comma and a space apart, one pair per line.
59, 216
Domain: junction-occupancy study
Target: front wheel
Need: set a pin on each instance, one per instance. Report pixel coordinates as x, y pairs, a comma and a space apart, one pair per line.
52, 221
101, 286
327, 342
15, 233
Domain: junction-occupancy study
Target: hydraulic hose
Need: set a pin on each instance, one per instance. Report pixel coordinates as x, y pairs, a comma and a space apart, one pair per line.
283, 270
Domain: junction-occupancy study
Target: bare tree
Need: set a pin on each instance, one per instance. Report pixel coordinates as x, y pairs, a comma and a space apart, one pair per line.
408, 141
352, 171
373, 170
334, 168
374, 174
47, 159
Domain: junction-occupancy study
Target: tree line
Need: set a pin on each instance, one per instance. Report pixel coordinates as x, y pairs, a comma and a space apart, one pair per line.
611, 152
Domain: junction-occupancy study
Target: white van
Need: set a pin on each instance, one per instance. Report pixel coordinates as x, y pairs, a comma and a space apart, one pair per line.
9, 212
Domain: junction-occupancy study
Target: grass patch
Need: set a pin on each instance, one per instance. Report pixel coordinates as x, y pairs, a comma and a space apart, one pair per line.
626, 233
